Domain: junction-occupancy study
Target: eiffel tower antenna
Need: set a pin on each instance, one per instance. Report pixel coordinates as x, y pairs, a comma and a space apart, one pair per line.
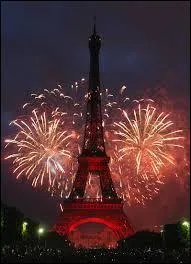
94, 25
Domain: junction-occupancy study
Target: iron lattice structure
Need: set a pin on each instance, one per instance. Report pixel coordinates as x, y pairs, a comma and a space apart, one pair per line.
93, 159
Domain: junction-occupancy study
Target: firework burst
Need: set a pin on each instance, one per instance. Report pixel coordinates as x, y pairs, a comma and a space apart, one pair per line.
145, 143
147, 138
41, 149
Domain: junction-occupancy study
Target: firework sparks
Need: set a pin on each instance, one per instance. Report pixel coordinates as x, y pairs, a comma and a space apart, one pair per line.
144, 152
144, 149
147, 137
41, 148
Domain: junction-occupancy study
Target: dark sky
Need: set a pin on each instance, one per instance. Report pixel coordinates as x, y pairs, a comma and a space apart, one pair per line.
43, 43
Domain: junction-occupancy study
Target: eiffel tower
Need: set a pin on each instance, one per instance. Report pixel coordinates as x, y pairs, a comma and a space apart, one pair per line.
78, 209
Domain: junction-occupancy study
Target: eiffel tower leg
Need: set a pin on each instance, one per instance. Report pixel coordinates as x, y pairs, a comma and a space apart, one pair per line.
106, 183
79, 183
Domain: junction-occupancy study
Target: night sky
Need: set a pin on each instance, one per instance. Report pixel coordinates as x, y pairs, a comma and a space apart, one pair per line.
144, 44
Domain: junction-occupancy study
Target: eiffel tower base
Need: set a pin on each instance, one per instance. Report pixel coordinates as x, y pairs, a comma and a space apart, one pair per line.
106, 212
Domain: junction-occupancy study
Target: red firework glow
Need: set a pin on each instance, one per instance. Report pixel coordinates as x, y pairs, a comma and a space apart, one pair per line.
48, 141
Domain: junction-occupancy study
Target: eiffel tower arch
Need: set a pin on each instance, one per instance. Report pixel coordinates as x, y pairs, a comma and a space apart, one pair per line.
107, 209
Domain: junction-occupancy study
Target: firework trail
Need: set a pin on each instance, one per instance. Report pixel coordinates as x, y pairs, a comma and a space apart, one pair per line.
71, 104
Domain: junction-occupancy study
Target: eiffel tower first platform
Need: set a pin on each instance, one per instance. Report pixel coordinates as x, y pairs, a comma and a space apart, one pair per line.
107, 210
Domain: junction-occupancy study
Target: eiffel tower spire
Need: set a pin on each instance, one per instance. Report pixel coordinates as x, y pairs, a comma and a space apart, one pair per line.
94, 31
93, 137
93, 157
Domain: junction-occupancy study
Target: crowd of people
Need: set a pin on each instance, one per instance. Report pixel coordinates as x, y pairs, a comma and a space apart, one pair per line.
41, 254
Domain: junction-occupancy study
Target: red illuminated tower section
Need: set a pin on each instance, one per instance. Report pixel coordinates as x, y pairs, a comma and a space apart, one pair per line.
108, 209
